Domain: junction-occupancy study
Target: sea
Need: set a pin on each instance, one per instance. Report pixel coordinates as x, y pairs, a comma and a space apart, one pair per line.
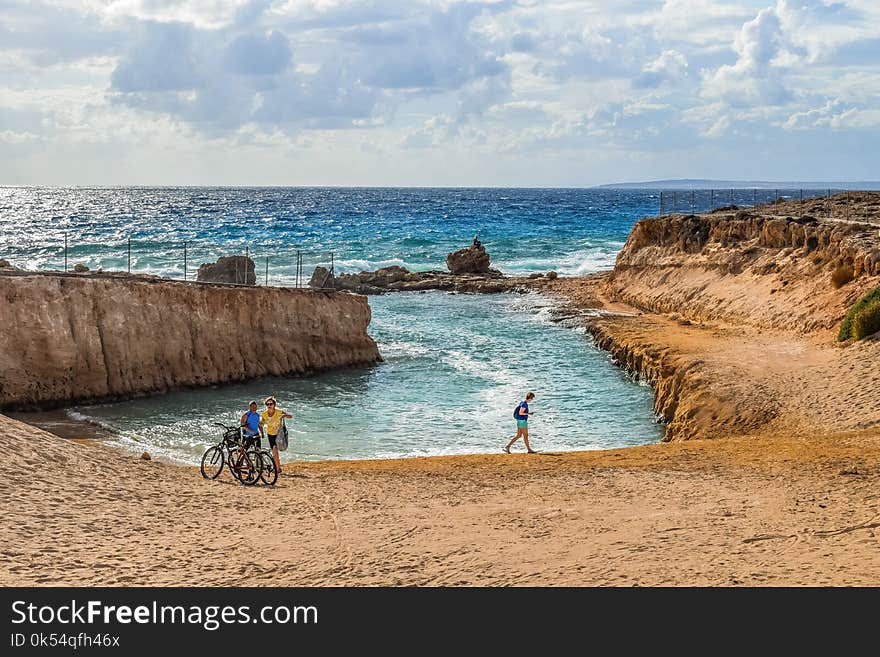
454, 365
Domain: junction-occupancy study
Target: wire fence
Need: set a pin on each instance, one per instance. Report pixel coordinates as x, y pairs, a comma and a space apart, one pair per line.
186, 261
837, 204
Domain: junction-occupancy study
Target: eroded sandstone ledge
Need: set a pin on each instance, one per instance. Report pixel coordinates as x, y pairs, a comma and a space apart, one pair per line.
79, 338
732, 317
746, 268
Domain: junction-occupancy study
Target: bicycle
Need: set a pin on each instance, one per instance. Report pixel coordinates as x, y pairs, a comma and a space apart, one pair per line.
268, 473
245, 463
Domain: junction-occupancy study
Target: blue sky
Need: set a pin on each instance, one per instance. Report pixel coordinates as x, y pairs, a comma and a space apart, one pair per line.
411, 92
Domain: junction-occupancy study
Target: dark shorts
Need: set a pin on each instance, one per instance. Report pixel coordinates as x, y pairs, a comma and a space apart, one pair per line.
253, 440
271, 439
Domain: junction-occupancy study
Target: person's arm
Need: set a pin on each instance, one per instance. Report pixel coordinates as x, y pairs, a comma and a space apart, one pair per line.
243, 420
286, 415
260, 426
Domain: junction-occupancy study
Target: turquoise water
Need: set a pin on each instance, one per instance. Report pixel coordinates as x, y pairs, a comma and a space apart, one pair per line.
455, 365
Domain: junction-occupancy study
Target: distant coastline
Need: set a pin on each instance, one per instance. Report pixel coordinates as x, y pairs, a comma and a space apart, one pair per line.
704, 183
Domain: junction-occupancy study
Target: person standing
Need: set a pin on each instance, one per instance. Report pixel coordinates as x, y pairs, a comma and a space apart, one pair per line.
271, 418
252, 426
522, 414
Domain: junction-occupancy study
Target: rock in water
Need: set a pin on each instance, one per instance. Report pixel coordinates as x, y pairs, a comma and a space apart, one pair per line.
472, 260
146, 456
5, 264
228, 269
80, 268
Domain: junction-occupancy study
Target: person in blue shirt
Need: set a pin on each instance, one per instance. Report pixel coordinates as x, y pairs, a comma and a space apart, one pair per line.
252, 426
522, 414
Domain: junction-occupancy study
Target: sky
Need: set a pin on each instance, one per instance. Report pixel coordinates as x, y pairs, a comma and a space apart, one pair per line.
530, 93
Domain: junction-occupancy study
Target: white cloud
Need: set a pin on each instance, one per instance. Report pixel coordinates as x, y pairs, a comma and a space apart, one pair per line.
719, 128
670, 66
362, 86
833, 115
755, 76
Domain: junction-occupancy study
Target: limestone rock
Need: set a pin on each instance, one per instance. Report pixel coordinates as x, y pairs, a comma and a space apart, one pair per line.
80, 268
5, 264
321, 278
552, 275
472, 260
110, 338
228, 269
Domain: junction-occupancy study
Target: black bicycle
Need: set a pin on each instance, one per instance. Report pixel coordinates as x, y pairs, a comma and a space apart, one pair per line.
244, 462
269, 473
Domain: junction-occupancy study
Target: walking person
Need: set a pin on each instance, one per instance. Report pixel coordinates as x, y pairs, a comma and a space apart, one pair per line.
271, 418
252, 426
522, 414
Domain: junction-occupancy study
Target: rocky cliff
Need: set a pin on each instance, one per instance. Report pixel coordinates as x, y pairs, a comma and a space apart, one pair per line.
791, 273
740, 310
75, 338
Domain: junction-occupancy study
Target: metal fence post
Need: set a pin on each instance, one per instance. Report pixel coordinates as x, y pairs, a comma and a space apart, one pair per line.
332, 272
267, 271
184, 261
65, 252
129, 254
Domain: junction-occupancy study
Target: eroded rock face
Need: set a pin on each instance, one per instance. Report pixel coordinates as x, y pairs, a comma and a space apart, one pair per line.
5, 264
84, 338
743, 268
228, 269
472, 260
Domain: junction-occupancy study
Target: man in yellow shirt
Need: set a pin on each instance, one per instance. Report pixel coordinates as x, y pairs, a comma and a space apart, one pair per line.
271, 419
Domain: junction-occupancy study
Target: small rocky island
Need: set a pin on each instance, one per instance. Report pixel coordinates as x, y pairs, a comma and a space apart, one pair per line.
468, 271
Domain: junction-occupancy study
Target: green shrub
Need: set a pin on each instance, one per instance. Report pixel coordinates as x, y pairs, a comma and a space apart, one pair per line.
867, 322
841, 276
865, 311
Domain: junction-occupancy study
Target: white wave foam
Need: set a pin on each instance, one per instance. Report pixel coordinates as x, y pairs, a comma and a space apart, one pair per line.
394, 348
577, 263
466, 364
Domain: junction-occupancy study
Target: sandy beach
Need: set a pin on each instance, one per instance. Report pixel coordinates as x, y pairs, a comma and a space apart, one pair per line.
752, 511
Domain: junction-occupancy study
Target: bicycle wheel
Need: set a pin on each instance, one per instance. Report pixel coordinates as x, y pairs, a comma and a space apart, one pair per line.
269, 474
248, 466
212, 463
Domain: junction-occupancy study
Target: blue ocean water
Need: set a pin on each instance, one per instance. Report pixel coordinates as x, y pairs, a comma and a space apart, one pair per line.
574, 231
454, 364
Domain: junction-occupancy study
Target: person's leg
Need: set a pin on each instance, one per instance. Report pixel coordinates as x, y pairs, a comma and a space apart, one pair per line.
526, 440
274, 445
513, 440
